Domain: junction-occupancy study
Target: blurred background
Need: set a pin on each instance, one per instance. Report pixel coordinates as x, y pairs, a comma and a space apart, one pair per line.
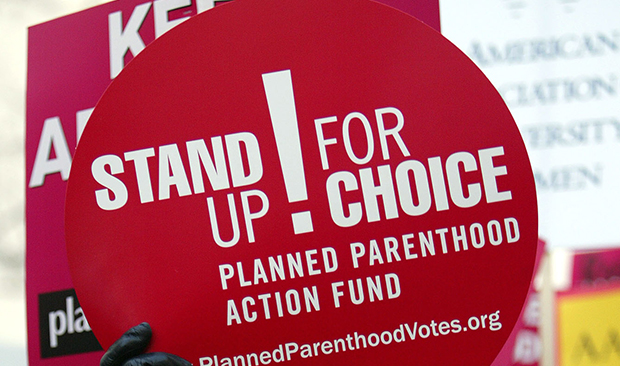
15, 18
557, 65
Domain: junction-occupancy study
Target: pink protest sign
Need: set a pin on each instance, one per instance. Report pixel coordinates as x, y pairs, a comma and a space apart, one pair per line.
596, 268
524, 346
338, 175
71, 61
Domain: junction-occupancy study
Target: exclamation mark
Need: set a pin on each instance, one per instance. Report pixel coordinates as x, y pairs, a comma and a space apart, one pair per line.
279, 91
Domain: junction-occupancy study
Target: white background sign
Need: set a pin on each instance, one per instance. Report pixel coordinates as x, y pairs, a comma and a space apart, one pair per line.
555, 62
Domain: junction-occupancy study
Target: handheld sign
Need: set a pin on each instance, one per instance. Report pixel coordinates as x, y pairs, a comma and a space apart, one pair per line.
304, 183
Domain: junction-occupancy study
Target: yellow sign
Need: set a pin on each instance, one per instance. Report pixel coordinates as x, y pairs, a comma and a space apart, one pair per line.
589, 328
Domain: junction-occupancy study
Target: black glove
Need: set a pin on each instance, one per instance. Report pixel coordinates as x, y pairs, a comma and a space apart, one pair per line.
128, 351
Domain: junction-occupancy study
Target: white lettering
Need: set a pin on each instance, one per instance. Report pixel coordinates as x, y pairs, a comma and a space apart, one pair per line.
161, 9
52, 136
110, 182
127, 39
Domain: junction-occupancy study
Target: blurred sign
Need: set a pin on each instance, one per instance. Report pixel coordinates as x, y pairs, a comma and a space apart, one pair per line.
524, 346
589, 327
556, 63
596, 268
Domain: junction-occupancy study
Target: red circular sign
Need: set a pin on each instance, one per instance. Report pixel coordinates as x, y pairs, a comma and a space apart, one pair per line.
289, 181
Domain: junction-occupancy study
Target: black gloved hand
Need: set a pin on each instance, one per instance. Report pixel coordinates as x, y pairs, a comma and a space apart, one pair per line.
128, 351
